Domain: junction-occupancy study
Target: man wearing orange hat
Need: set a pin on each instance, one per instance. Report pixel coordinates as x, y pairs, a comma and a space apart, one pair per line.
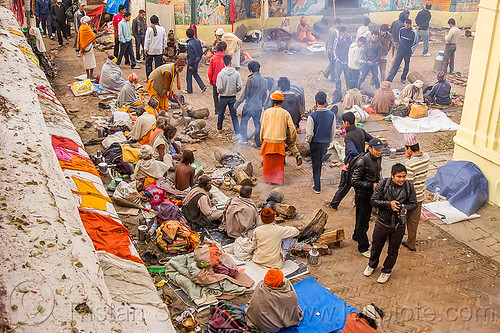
276, 121
161, 82
274, 304
271, 241
129, 96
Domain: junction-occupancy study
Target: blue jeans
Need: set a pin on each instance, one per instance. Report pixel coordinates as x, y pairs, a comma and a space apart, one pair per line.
424, 35
189, 77
158, 59
223, 102
339, 68
126, 48
318, 151
245, 117
373, 68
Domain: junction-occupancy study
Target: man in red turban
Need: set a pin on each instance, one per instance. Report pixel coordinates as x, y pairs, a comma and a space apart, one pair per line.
274, 304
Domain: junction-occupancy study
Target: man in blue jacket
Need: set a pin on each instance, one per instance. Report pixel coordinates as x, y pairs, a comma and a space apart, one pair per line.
254, 96
406, 41
320, 130
194, 54
42, 13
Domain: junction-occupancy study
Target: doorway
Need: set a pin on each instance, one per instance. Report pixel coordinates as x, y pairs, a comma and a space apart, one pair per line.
346, 3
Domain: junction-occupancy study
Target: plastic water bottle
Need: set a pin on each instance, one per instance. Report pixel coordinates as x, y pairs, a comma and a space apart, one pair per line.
437, 195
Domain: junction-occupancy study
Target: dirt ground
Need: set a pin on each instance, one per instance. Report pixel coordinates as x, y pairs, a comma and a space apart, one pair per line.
444, 286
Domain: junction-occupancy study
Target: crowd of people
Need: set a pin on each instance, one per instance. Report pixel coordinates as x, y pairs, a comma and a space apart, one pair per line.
276, 114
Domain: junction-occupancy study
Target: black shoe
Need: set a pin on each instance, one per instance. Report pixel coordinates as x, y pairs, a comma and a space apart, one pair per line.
104, 106
406, 245
403, 81
298, 158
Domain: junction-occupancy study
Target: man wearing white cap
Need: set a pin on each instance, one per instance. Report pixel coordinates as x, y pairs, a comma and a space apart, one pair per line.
233, 45
416, 166
412, 93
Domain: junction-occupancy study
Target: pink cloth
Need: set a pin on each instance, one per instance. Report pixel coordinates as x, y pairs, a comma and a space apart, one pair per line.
67, 154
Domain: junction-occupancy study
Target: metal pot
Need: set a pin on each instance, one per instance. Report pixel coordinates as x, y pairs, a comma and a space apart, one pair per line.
143, 229
189, 324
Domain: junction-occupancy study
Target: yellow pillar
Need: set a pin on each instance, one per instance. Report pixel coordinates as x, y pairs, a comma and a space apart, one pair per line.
478, 137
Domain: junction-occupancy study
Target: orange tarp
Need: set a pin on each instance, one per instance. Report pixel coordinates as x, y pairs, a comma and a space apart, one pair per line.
108, 235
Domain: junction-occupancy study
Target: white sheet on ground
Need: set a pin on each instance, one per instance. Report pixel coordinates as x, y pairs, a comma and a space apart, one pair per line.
447, 213
257, 272
436, 121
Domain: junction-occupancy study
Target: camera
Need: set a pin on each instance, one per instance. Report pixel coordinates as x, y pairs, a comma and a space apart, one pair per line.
402, 213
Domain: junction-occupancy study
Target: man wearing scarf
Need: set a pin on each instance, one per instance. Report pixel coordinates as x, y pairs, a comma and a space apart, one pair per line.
147, 166
85, 44
161, 82
129, 96
197, 206
274, 304
142, 126
111, 80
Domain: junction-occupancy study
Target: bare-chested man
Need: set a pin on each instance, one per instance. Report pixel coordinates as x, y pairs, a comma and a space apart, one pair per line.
184, 172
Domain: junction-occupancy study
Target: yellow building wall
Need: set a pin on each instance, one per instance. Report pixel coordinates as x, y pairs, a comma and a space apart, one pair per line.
439, 18
478, 136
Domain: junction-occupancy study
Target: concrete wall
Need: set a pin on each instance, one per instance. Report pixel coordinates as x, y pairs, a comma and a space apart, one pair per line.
478, 137
439, 18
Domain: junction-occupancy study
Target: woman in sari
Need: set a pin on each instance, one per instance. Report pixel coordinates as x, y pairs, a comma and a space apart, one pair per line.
85, 44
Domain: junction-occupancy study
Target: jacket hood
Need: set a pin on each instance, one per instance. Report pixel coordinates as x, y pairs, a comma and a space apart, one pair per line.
229, 70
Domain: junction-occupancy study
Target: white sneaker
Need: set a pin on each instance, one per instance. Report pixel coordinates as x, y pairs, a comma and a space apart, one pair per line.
383, 277
368, 271
426, 55
366, 254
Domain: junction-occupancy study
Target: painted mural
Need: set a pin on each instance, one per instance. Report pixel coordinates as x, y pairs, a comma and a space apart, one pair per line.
444, 5
277, 8
307, 7
212, 12
182, 12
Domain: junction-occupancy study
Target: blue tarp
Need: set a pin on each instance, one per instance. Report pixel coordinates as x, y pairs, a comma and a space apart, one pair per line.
323, 311
463, 184
112, 6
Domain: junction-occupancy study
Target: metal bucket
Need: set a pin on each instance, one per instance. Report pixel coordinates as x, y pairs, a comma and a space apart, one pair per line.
438, 61
189, 324
143, 229
313, 256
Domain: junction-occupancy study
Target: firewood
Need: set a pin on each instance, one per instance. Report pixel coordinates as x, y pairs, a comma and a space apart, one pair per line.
415, 75
198, 114
332, 237
219, 153
241, 176
287, 211
303, 251
315, 227
227, 158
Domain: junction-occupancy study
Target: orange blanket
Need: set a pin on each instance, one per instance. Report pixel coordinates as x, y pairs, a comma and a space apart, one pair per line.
85, 37
80, 164
108, 235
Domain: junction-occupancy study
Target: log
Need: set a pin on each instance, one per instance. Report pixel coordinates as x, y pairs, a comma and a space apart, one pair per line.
227, 158
414, 76
199, 114
241, 177
315, 227
220, 153
287, 211
368, 89
335, 237
303, 251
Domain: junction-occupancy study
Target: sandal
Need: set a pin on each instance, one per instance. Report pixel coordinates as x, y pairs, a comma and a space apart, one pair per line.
163, 261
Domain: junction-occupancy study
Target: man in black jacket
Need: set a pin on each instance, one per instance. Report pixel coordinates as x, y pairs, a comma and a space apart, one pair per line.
365, 177
406, 41
58, 12
194, 54
421, 29
354, 140
395, 27
394, 197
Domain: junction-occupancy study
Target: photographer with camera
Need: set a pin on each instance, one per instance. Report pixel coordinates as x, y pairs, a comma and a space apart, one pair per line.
394, 197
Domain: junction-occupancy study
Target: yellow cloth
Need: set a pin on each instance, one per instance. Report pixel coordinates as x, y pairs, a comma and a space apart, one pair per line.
91, 197
162, 101
275, 123
150, 110
129, 154
29, 54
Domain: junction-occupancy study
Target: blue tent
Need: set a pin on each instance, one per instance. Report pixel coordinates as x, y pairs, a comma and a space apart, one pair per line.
112, 6
462, 183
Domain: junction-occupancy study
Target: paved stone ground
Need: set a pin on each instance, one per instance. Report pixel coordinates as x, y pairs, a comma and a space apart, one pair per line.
448, 285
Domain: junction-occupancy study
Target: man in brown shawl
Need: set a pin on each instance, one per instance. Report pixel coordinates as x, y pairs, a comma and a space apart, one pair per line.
274, 304
383, 100
240, 216
197, 207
